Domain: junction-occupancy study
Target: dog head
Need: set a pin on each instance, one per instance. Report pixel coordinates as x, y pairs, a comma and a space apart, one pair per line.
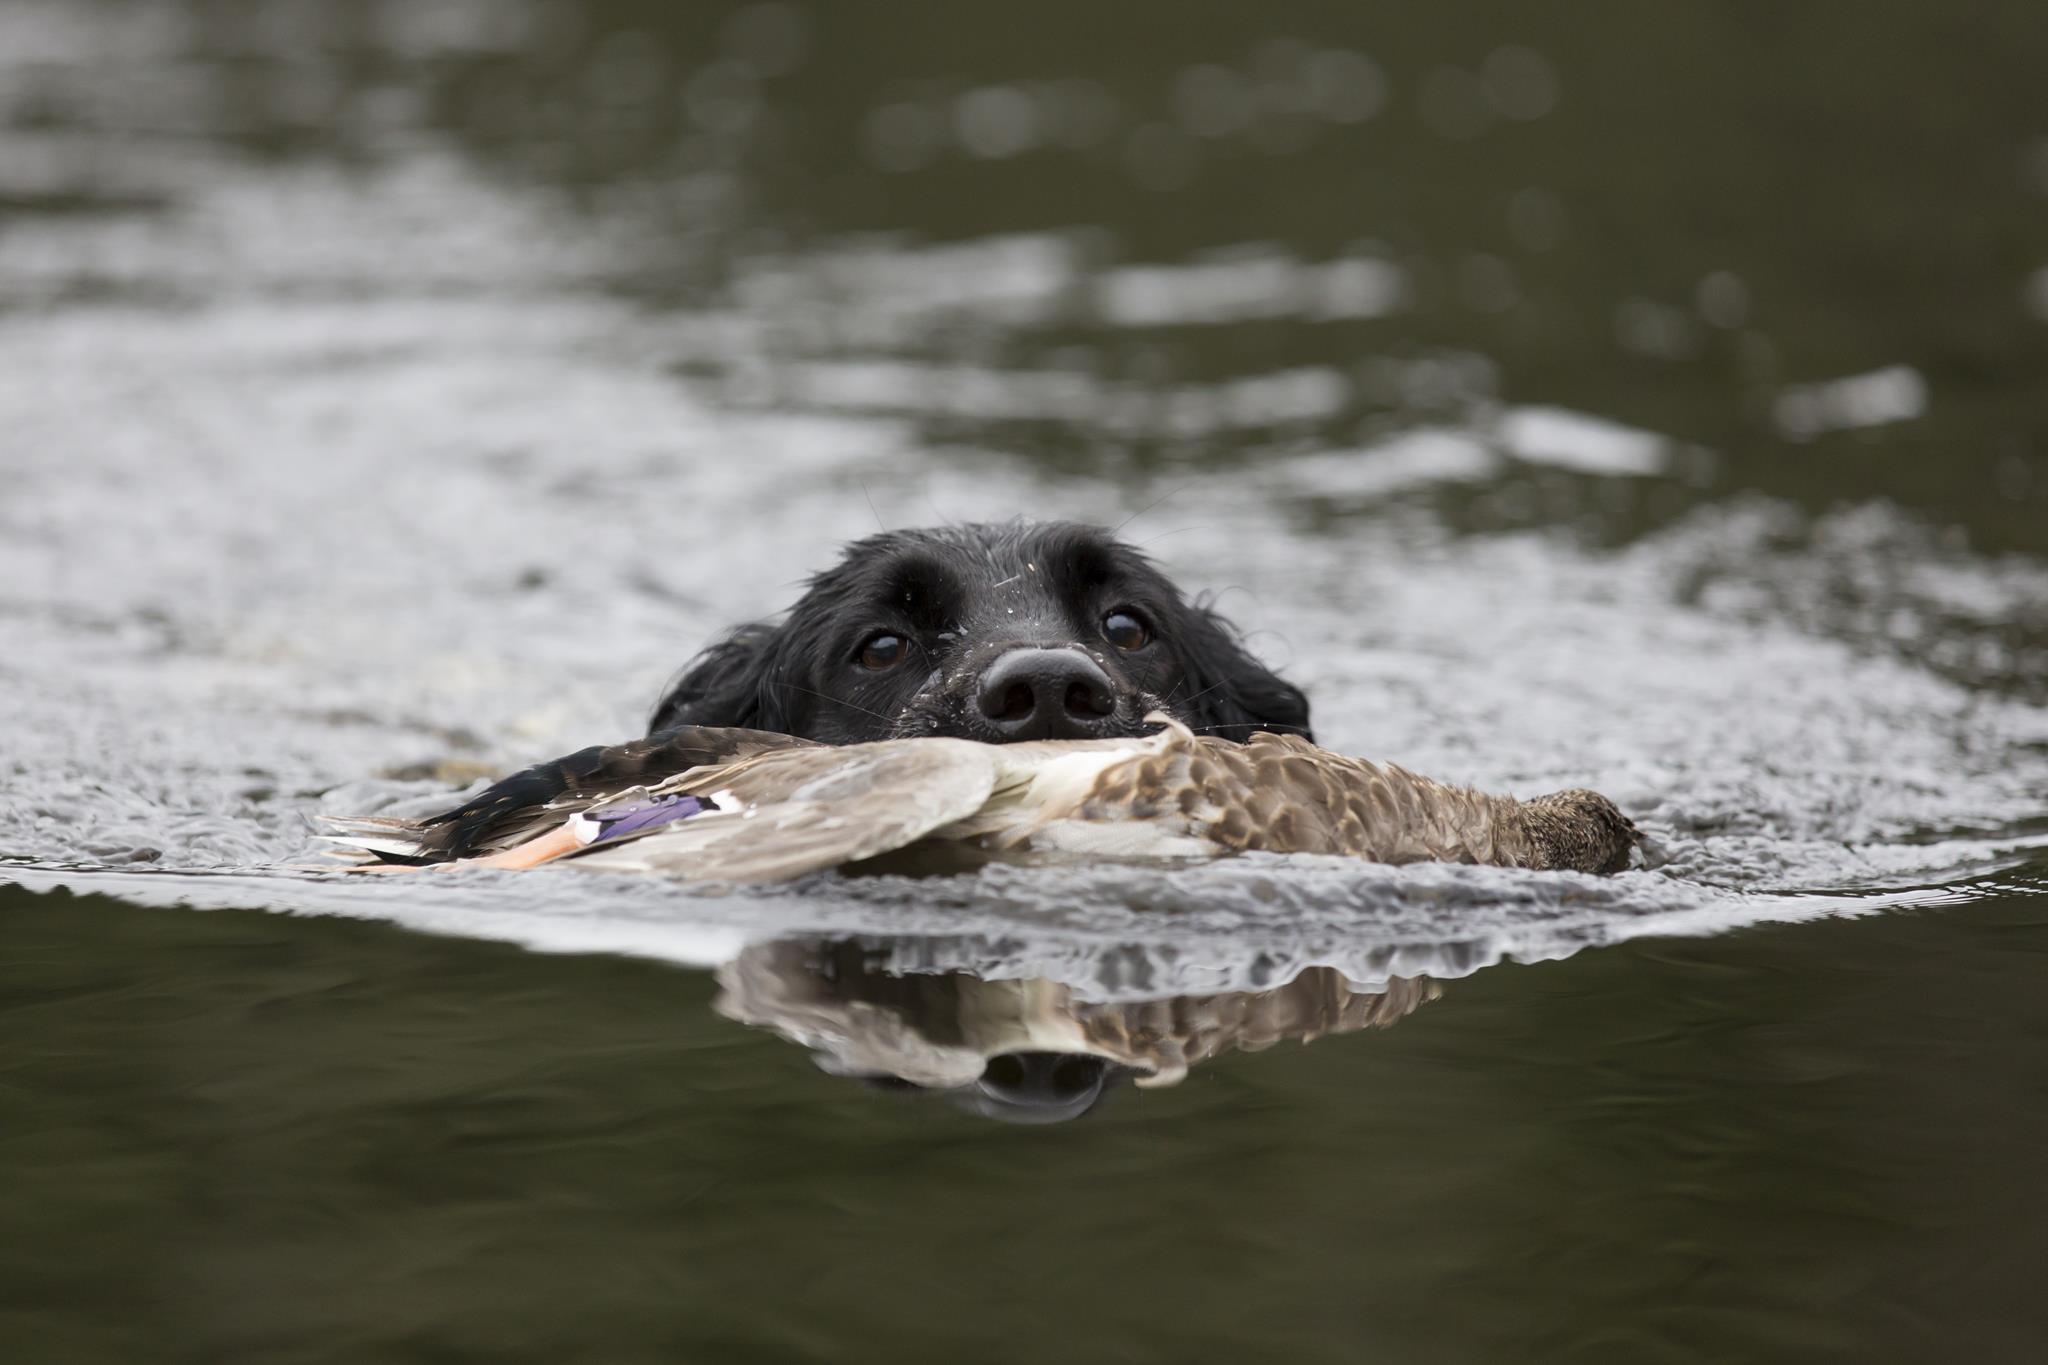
987, 632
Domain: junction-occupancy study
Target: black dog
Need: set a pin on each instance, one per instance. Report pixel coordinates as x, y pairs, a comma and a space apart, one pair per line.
995, 633
988, 632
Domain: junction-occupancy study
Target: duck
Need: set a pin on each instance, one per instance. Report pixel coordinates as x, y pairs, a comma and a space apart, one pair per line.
707, 804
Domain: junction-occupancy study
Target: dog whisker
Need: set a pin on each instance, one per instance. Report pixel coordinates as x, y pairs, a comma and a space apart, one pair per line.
839, 701
1190, 701
1178, 530
1170, 493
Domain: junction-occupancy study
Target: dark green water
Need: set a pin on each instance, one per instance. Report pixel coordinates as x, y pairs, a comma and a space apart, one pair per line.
235, 1136
1645, 396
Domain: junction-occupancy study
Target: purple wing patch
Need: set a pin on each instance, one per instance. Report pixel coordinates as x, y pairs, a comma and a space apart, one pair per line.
616, 822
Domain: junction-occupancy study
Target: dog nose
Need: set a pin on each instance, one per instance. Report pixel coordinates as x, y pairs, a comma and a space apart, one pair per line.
1046, 694
1043, 1087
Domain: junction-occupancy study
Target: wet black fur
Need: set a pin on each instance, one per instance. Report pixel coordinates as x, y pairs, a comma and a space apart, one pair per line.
963, 595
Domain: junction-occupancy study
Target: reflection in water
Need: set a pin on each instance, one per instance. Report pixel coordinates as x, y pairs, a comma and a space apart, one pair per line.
1027, 1050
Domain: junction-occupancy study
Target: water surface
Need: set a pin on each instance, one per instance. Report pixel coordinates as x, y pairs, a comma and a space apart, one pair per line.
399, 393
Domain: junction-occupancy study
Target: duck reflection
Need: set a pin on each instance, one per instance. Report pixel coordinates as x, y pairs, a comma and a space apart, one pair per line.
1025, 1050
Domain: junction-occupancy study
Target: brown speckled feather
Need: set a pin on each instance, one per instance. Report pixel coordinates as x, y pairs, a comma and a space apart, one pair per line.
1282, 794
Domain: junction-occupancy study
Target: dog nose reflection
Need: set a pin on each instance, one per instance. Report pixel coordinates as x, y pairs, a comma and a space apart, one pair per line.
1042, 1087
891, 1014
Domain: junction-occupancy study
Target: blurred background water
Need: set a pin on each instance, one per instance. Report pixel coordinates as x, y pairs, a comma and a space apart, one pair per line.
1645, 397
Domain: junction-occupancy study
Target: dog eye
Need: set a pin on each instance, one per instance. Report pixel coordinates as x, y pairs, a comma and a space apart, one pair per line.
1125, 631
882, 651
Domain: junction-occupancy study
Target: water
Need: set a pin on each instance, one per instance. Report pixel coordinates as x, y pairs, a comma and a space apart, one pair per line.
397, 393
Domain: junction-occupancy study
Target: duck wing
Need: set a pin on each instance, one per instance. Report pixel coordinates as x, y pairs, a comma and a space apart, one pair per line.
782, 815
542, 796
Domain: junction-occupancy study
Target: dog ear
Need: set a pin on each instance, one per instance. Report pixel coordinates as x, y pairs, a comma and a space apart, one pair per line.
729, 684
1231, 694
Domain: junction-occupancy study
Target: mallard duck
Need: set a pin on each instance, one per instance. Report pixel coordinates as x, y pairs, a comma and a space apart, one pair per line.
706, 804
